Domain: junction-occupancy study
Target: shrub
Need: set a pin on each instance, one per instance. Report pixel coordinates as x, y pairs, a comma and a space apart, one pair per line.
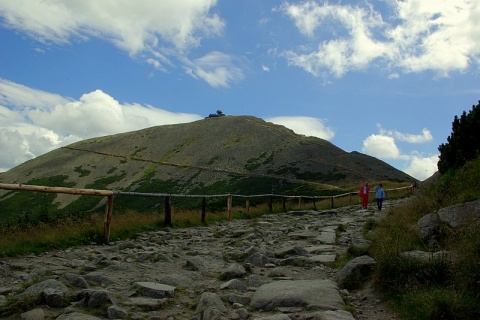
357, 251
404, 274
439, 304
369, 225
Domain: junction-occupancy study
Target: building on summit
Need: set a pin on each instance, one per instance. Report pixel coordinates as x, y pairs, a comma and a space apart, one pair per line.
215, 115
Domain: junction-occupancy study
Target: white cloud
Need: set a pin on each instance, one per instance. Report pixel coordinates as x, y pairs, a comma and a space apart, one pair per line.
422, 167
157, 31
425, 136
307, 126
394, 75
384, 146
307, 16
155, 63
419, 35
435, 35
131, 25
30, 127
381, 146
18, 95
215, 68
14, 149
352, 49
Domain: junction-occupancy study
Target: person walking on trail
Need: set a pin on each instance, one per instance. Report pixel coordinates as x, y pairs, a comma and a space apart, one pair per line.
363, 193
379, 195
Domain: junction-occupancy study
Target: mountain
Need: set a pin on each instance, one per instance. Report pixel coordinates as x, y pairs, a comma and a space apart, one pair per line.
217, 155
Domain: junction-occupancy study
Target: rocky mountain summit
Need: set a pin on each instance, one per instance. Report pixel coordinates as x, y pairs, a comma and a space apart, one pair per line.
278, 266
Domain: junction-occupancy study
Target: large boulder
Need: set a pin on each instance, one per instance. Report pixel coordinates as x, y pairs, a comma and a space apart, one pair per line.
456, 216
461, 215
356, 272
211, 306
309, 294
39, 290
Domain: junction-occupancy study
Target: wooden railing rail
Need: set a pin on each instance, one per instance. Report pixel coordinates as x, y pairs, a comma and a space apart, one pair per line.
26, 187
168, 205
75, 191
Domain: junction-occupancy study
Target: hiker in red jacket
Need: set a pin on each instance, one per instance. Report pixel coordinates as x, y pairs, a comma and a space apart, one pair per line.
363, 194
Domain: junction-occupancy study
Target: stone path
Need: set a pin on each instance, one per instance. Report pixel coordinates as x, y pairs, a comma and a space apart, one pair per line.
275, 267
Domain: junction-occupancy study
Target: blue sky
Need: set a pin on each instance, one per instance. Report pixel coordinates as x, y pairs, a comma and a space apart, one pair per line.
384, 78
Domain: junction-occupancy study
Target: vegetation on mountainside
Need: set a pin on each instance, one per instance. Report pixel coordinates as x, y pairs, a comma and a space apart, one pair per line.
31, 208
447, 288
464, 143
24, 208
440, 289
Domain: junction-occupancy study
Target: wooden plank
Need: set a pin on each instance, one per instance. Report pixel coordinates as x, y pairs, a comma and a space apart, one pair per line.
75, 191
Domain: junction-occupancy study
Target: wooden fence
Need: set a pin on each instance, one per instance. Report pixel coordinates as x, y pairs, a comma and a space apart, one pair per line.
168, 199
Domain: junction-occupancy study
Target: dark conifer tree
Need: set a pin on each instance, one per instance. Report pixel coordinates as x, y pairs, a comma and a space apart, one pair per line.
464, 142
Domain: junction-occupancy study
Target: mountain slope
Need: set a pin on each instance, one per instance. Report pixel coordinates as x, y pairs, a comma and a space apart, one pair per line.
232, 154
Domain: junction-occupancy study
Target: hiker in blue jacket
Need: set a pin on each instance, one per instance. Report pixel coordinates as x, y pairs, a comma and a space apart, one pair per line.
379, 195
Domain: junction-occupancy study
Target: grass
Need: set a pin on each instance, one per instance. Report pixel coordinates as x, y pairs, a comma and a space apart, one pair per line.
440, 288
73, 231
439, 303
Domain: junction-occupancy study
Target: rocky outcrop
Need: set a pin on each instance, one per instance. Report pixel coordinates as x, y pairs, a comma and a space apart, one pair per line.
461, 215
278, 266
454, 217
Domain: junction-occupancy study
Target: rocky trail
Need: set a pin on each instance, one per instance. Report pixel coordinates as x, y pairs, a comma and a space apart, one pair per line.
278, 266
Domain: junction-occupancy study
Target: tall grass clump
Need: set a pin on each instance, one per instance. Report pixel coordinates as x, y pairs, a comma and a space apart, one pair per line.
73, 231
447, 287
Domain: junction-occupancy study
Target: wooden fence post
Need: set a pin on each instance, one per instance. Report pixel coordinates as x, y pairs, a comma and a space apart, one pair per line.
284, 204
229, 207
108, 218
204, 209
168, 211
247, 206
270, 204
332, 201
299, 202
314, 204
